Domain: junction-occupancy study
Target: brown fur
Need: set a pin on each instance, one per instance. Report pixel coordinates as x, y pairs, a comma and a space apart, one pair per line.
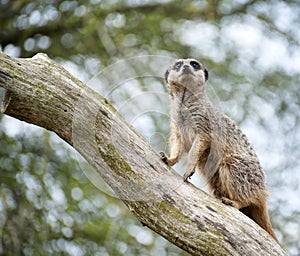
213, 143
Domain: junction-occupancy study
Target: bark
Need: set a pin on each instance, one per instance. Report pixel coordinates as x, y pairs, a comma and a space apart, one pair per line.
41, 92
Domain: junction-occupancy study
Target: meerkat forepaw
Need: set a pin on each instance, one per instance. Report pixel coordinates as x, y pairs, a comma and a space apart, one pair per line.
164, 157
188, 175
185, 177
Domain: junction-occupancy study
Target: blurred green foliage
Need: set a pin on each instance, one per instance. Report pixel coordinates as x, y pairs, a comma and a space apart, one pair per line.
251, 49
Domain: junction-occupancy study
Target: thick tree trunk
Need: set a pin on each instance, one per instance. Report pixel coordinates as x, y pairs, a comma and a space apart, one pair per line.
41, 92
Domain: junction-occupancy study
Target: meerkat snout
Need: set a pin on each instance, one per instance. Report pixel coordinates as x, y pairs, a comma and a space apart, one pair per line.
186, 70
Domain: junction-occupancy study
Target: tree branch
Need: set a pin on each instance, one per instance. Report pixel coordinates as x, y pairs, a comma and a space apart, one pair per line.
41, 92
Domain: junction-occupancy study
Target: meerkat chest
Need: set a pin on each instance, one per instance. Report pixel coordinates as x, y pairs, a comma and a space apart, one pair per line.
182, 117
188, 137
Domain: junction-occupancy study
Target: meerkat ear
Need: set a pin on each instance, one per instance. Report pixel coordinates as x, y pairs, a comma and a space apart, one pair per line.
205, 74
166, 75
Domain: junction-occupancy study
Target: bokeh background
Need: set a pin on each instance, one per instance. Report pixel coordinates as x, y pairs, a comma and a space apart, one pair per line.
48, 206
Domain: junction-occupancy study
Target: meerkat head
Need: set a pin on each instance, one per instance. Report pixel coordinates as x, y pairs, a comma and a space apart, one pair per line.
186, 73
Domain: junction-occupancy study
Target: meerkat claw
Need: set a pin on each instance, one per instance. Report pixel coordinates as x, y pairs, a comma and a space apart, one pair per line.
227, 201
163, 157
187, 176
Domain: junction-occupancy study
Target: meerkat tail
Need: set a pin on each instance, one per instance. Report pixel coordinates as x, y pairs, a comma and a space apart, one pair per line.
259, 214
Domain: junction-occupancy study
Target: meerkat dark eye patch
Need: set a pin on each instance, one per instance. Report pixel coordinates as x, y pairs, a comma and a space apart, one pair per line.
195, 65
166, 75
178, 65
206, 74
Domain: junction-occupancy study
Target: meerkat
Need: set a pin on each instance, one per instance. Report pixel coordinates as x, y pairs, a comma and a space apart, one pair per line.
214, 144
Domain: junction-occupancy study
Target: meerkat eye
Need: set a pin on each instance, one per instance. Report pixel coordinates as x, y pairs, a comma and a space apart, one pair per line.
195, 65
178, 65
